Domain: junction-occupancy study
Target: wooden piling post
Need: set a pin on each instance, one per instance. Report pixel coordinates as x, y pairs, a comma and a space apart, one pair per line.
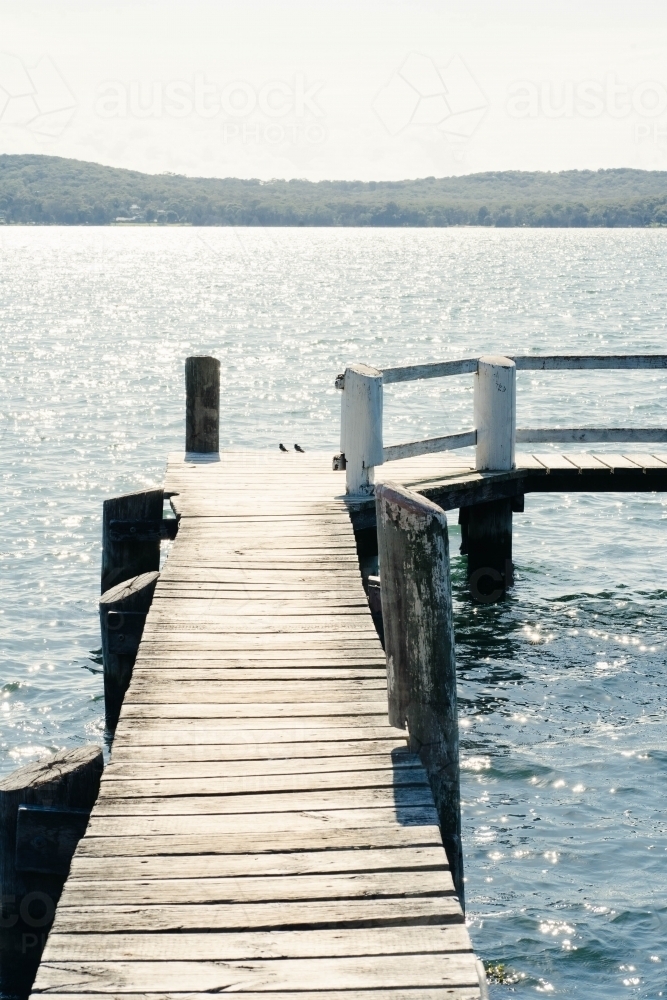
419, 643
125, 556
202, 405
123, 611
361, 427
488, 526
44, 809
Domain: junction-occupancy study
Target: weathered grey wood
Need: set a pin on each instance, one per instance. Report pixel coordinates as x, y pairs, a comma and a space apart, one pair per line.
260, 751
318, 837
67, 780
419, 642
143, 822
395, 452
430, 993
255, 784
260, 944
525, 362
273, 863
436, 369
175, 787
259, 889
285, 915
419, 993
360, 973
124, 559
487, 530
388, 761
202, 405
581, 435
132, 597
588, 362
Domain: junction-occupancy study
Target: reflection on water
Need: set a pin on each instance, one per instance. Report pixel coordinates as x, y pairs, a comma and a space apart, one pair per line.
562, 697
562, 687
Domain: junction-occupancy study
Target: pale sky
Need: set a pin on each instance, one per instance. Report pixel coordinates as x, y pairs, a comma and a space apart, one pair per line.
368, 90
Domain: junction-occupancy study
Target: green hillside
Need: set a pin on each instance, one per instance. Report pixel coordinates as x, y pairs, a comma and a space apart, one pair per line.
49, 190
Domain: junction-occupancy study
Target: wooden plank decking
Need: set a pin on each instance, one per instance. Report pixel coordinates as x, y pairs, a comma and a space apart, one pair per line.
260, 828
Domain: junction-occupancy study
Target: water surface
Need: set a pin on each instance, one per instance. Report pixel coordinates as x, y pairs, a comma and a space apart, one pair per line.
562, 688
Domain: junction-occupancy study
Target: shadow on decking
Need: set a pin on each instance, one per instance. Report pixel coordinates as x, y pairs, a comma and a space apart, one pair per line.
413, 800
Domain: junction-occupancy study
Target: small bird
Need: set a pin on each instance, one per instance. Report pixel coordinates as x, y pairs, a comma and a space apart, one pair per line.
297, 447
282, 447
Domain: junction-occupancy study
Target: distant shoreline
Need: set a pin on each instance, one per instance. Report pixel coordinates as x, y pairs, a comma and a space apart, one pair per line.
49, 190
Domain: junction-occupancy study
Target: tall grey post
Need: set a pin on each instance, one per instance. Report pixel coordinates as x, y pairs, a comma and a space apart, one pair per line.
419, 643
202, 405
488, 526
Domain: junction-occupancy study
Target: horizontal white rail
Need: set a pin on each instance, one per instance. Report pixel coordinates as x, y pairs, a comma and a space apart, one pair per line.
527, 362
588, 362
528, 435
542, 435
410, 373
494, 405
394, 452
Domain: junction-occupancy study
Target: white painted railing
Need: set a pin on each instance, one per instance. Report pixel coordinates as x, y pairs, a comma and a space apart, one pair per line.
495, 433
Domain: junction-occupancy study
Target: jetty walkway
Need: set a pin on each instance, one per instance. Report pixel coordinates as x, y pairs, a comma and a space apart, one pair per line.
260, 827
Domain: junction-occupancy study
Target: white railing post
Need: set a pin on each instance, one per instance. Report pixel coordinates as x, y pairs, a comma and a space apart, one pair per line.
361, 426
488, 526
495, 413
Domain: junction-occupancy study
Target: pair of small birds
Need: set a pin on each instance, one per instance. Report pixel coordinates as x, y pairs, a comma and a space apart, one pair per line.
297, 447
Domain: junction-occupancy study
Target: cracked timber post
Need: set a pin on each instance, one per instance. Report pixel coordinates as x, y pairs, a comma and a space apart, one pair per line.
419, 644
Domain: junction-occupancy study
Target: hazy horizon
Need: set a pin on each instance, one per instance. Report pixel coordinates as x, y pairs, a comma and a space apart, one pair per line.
379, 91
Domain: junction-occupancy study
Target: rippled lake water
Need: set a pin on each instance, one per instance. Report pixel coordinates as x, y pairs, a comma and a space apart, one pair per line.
562, 688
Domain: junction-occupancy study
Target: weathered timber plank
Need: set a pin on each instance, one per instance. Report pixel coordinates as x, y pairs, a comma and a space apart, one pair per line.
150, 725
142, 769
254, 752
304, 914
618, 463
143, 824
247, 710
259, 889
247, 784
259, 944
318, 838
257, 975
400, 796
149, 690
163, 734
251, 676
294, 863
430, 993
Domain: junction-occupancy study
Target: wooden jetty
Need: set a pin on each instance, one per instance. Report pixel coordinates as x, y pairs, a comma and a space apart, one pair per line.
262, 828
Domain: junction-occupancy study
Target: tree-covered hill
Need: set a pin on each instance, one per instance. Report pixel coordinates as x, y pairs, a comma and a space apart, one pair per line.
50, 190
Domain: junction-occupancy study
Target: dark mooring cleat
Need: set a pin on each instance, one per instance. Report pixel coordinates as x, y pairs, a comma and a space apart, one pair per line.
297, 447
